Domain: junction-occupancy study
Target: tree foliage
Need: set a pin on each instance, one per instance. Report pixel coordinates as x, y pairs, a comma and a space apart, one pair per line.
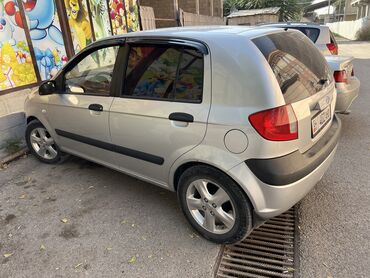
289, 9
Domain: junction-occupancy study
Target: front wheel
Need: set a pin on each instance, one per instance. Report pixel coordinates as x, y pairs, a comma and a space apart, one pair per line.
41, 144
214, 205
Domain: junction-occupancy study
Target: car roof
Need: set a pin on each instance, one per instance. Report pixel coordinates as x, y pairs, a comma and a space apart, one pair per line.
202, 33
296, 24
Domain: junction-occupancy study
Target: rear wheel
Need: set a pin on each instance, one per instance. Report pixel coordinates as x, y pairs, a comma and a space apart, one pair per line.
214, 205
41, 144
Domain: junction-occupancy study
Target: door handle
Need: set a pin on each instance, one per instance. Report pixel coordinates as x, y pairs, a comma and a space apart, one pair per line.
181, 117
96, 107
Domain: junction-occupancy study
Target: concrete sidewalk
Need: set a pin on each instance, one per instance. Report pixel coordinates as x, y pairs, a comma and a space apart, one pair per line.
12, 120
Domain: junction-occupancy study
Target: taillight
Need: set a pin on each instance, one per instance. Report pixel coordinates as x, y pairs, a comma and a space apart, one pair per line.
332, 48
340, 76
276, 124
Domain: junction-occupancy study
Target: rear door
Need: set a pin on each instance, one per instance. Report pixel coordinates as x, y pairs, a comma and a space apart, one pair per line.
163, 106
305, 81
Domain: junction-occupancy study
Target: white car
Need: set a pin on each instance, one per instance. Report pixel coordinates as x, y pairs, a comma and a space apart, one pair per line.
348, 85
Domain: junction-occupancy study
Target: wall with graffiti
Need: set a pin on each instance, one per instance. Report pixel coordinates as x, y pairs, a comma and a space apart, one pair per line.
117, 13
46, 36
132, 15
79, 23
35, 34
15, 60
100, 18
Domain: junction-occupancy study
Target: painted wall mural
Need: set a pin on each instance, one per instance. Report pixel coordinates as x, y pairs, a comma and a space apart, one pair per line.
16, 68
79, 23
100, 18
31, 40
117, 13
132, 14
46, 36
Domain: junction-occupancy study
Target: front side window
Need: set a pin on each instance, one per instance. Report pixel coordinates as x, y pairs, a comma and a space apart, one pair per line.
164, 73
93, 74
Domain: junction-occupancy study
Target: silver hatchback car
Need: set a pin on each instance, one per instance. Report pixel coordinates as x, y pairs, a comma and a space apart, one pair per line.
238, 121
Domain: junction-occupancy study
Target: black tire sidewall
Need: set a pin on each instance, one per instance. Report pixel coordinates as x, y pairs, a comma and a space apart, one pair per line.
242, 206
30, 127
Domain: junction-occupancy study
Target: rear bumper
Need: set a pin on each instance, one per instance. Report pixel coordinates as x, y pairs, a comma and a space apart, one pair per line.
346, 94
299, 174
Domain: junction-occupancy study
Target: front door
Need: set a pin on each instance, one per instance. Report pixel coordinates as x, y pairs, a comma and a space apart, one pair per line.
163, 109
80, 113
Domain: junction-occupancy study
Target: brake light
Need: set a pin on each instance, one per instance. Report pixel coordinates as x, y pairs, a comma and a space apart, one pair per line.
276, 124
332, 48
340, 76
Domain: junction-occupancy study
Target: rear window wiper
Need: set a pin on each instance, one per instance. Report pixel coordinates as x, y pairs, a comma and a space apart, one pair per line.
322, 81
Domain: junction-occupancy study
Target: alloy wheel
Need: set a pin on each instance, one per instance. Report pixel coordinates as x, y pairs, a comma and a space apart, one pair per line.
210, 206
43, 144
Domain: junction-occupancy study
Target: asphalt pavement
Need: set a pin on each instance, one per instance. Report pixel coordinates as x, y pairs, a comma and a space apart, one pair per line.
79, 219
335, 216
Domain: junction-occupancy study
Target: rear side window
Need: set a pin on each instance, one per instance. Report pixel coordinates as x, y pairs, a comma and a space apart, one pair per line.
164, 73
299, 67
311, 33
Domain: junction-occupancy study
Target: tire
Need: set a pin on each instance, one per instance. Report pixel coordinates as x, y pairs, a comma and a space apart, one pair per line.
34, 130
200, 213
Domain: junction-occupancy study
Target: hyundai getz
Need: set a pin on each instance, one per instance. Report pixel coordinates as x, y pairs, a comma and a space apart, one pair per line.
238, 121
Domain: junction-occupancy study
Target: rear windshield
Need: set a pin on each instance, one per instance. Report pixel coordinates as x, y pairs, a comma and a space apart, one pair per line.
299, 67
311, 33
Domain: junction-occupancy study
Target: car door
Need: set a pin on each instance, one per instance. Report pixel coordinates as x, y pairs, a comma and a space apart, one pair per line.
80, 112
163, 107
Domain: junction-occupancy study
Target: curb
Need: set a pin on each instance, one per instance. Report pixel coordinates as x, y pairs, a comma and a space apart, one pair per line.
13, 156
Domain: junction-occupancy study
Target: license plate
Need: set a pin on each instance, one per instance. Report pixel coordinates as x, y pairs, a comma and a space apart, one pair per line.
320, 120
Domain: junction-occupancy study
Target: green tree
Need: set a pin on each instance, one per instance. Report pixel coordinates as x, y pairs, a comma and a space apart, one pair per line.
289, 9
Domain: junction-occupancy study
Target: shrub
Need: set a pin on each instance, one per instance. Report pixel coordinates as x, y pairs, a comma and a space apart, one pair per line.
364, 33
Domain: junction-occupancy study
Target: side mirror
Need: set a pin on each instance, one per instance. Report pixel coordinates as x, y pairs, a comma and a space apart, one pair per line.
47, 88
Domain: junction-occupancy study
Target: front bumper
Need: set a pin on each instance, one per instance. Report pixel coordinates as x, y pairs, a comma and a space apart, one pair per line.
269, 196
346, 94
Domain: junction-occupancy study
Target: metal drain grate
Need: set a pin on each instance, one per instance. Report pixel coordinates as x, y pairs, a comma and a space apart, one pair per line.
267, 252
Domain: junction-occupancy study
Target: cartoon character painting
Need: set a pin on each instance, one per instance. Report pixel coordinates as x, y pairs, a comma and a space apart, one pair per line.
16, 67
79, 23
40, 14
6, 29
132, 15
44, 28
99, 13
117, 16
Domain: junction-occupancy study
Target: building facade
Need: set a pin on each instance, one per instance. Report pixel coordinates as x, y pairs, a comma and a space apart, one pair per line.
166, 11
363, 8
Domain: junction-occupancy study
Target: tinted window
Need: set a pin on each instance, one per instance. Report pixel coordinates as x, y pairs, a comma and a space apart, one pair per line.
189, 84
299, 67
311, 33
164, 73
93, 74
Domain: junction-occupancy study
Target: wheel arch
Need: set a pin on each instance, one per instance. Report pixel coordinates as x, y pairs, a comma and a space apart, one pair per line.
183, 167
31, 118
